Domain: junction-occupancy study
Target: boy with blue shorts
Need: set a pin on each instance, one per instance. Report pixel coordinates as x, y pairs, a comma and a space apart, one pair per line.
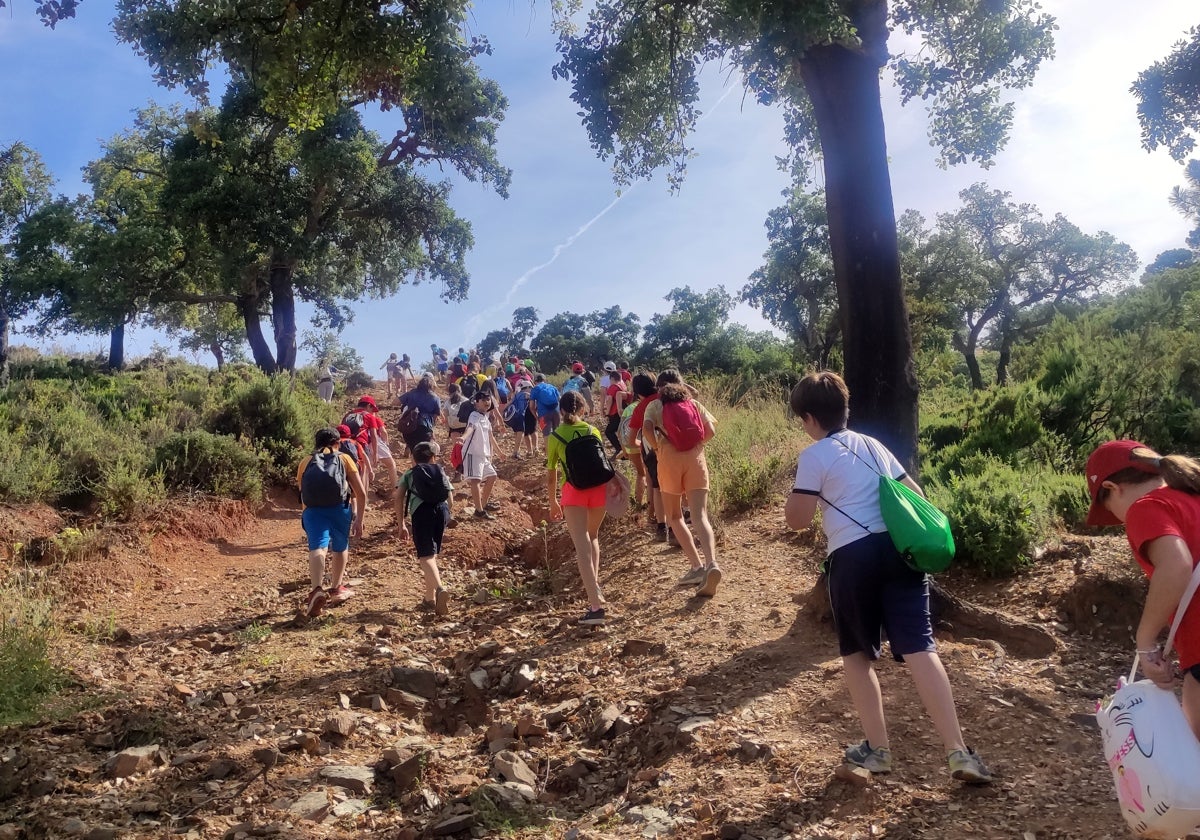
334, 501
871, 588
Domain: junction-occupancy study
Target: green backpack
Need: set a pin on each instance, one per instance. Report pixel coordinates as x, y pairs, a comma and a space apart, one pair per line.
920, 532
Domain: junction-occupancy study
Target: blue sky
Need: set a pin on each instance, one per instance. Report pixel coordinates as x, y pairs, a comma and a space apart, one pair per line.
560, 243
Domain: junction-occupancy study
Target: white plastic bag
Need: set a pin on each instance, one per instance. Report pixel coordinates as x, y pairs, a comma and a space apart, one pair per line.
1154, 759
1151, 750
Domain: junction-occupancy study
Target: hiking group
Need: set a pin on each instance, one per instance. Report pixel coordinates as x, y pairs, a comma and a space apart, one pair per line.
658, 426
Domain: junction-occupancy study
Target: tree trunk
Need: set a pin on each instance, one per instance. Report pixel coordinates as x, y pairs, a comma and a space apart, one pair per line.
219, 353
283, 315
116, 347
967, 347
3, 347
248, 305
843, 85
1002, 362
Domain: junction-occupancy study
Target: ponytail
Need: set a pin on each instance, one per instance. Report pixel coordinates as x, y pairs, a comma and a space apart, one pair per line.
1180, 473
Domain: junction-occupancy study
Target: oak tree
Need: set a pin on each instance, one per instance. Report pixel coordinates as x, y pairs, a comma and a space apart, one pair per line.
634, 67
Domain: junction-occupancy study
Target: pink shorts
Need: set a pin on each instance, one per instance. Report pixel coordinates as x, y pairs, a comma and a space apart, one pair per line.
593, 497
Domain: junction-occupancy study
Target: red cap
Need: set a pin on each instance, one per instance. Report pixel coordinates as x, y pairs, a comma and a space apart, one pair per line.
344, 430
368, 400
577, 367
1107, 460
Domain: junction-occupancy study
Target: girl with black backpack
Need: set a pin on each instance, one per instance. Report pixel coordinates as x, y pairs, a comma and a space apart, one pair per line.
579, 448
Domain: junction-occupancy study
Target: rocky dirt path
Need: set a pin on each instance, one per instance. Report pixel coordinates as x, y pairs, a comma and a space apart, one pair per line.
205, 709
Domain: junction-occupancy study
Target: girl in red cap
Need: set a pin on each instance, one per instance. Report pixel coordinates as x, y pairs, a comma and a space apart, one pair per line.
1157, 497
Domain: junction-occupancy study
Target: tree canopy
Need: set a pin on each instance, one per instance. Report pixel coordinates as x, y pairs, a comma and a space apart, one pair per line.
1168, 94
634, 72
1000, 269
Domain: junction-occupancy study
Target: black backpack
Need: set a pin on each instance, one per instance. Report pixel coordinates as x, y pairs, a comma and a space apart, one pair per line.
428, 484
468, 385
465, 410
355, 421
585, 460
349, 447
323, 482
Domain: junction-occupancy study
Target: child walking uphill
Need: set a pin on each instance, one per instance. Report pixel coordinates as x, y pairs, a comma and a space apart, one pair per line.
424, 496
579, 448
1157, 497
871, 588
677, 427
479, 447
334, 501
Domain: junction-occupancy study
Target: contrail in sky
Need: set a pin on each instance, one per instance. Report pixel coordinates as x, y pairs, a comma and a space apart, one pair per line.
476, 322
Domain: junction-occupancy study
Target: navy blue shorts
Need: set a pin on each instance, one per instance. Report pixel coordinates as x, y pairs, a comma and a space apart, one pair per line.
873, 591
428, 528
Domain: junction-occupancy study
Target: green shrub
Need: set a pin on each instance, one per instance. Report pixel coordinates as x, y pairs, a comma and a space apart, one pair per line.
208, 463
752, 455
28, 677
127, 494
999, 514
272, 417
359, 380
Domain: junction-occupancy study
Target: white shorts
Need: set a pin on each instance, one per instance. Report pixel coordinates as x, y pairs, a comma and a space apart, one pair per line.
382, 451
477, 468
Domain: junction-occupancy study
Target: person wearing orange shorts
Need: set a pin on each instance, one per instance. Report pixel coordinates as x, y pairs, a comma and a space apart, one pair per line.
684, 472
581, 507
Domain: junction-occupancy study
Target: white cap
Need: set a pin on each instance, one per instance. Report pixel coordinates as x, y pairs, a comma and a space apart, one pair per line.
610, 366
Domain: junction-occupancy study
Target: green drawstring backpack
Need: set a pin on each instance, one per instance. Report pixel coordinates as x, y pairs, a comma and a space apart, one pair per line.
920, 532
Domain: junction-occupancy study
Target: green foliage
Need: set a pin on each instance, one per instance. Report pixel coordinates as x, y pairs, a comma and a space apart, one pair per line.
270, 415
121, 441
754, 450
1168, 94
28, 677
203, 462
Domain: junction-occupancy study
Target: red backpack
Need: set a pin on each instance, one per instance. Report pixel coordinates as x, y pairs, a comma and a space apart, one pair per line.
683, 425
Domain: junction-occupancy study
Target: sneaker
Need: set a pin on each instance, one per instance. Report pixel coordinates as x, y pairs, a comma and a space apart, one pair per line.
315, 603
877, 759
441, 602
712, 579
672, 540
693, 577
340, 595
592, 618
967, 766
483, 514
662, 532
492, 506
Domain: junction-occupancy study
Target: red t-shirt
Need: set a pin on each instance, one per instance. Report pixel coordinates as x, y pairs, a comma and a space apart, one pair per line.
626, 376
618, 403
1166, 512
639, 412
370, 421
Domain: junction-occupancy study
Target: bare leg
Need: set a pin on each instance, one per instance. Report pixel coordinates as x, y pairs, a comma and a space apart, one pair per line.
578, 526
674, 512
433, 580
485, 493
863, 684
934, 687
337, 569
475, 493
316, 567
698, 505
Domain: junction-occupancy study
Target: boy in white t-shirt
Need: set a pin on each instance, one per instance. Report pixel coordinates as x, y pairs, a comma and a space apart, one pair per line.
479, 447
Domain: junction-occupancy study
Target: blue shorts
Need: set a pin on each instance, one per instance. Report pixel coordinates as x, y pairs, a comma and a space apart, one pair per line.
327, 527
871, 590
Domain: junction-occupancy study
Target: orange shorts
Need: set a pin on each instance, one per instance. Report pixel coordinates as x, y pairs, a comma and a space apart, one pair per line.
593, 497
679, 472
